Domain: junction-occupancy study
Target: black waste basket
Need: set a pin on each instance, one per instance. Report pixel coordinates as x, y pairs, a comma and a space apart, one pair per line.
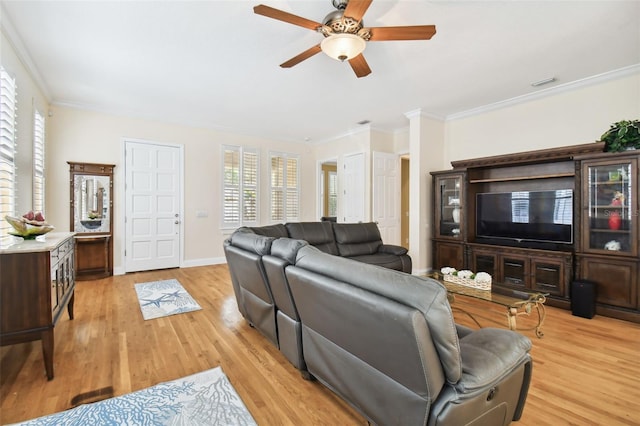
583, 298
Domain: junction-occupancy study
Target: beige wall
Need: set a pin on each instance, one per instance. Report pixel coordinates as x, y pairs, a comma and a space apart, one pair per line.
568, 118
85, 136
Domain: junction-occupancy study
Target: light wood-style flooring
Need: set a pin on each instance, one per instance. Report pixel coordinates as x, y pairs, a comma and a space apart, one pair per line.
586, 372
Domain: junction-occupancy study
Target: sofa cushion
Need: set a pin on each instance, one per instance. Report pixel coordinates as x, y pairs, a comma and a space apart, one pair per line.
389, 261
392, 249
277, 231
287, 248
357, 239
253, 243
487, 354
318, 234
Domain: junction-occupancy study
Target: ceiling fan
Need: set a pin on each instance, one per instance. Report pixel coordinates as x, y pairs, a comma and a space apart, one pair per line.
345, 34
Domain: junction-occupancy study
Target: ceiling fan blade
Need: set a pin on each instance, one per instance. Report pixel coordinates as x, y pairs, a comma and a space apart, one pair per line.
360, 66
301, 57
417, 32
356, 9
281, 15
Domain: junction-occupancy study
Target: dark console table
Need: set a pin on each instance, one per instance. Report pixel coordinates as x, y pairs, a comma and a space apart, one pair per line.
37, 282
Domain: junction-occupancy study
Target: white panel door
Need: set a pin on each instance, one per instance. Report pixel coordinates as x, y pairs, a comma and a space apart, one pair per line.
386, 196
354, 188
152, 206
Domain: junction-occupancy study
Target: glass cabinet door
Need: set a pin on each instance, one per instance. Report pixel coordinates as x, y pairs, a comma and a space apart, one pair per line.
610, 219
449, 208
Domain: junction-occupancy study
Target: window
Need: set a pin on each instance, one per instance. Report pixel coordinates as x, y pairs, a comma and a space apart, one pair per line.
285, 200
240, 186
38, 162
8, 108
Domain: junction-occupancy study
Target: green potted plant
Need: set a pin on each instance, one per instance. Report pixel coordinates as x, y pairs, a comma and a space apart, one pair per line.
623, 135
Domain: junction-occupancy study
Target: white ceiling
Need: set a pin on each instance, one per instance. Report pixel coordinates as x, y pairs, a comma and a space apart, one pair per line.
215, 64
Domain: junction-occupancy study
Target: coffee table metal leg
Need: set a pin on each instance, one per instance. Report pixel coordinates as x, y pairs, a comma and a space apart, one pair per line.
536, 302
512, 313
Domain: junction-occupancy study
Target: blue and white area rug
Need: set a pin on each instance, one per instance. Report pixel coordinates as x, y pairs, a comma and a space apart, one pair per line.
206, 398
162, 298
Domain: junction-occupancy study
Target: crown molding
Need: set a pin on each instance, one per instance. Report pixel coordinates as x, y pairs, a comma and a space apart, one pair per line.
552, 91
421, 113
9, 31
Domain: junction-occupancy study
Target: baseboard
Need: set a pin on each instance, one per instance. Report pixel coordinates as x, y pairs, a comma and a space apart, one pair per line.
203, 262
186, 264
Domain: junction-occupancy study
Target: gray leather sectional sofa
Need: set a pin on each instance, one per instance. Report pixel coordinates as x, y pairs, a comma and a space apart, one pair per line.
383, 340
357, 241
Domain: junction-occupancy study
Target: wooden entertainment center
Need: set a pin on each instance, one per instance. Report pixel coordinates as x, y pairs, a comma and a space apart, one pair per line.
597, 199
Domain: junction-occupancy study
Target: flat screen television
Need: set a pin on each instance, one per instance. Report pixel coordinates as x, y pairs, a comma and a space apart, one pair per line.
526, 216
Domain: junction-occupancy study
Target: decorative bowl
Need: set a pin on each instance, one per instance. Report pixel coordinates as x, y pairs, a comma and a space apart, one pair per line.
92, 223
26, 230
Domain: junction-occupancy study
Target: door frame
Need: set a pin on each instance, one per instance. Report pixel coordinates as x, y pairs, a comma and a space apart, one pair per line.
375, 194
319, 184
122, 198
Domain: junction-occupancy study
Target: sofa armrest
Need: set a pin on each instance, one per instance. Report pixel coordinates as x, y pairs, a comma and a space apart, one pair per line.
392, 249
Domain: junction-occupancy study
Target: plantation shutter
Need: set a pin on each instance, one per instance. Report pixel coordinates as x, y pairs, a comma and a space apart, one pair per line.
285, 194
277, 188
240, 186
231, 187
249, 187
8, 115
292, 208
38, 162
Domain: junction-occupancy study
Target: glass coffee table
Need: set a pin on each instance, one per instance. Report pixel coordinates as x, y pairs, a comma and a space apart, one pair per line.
517, 302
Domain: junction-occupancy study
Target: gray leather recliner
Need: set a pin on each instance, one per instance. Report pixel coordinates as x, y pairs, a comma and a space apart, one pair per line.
283, 254
386, 342
244, 252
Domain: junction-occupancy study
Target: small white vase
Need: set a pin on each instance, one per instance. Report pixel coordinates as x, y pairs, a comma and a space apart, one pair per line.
456, 214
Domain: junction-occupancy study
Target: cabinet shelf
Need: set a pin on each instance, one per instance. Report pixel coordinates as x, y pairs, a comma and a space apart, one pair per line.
517, 178
611, 231
613, 182
449, 223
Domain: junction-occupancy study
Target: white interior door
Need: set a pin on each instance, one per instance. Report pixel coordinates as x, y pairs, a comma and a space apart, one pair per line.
354, 188
386, 196
152, 206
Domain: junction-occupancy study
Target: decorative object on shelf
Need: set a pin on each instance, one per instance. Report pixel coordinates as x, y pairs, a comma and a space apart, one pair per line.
613, 245
481, 280
615, 221
618, 199
614, 176
29, 226
92, 223
621, 136
456, 214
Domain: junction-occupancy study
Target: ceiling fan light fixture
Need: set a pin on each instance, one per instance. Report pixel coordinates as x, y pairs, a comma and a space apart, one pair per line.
343, 46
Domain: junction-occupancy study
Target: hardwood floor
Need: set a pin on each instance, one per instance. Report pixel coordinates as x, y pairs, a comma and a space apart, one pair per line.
586, 372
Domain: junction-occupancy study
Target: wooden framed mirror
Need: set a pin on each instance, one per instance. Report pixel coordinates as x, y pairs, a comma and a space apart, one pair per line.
91, 218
